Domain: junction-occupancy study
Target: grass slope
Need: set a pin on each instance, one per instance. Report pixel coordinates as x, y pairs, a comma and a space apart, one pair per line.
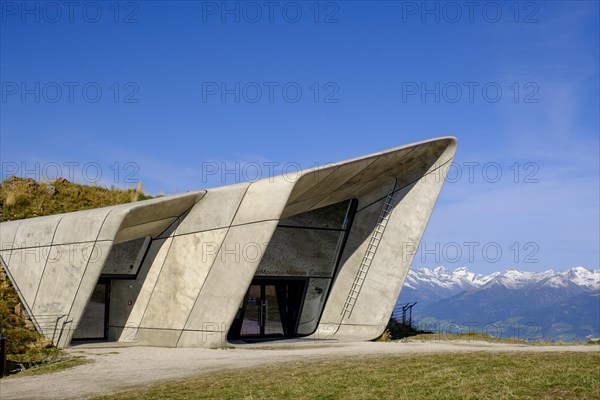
25, 198
475, 375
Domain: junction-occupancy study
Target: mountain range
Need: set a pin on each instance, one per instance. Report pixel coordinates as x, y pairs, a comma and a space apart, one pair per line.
548, 305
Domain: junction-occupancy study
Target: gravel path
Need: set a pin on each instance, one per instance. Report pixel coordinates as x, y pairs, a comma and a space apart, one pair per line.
121, 368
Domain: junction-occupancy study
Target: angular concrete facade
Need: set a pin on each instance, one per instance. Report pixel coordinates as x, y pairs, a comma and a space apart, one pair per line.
322, 254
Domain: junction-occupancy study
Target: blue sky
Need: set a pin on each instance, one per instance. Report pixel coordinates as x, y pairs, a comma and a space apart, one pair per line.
170, 92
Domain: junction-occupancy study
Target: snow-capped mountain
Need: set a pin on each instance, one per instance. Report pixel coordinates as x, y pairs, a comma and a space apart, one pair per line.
460, 278
562, 305
451, 282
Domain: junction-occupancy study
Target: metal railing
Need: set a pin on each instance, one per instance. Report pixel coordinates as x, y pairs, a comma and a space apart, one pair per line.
403, 313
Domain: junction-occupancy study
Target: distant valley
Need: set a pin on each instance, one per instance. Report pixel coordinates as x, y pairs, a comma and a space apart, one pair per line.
549, 305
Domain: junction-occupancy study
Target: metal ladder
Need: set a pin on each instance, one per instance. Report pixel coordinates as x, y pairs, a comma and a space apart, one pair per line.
365, 264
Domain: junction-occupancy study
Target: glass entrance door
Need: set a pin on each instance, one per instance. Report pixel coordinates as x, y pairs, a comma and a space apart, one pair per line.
94, 322
252, 314
271, 308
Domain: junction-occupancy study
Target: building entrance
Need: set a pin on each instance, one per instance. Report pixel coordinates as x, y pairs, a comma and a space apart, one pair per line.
271, 309
94, 323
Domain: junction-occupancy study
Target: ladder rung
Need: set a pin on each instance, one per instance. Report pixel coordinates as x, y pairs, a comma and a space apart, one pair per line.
363, 268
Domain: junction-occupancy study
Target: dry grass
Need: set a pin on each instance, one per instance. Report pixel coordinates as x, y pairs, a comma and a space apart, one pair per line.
476, 375
25, 198
53, 367
477, 337
386, 336
11, 200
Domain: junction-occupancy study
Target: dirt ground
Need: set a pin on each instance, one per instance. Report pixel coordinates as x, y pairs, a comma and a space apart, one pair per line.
116, 369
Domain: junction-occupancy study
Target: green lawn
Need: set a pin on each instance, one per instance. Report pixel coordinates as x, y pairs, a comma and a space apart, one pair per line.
475, 375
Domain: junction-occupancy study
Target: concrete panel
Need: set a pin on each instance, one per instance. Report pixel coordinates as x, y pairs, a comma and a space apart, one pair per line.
4, 256
352, 333
382, 277
356, 246
346, 193
121, 293
140, 291
26, 267
408, 161
341, 179
184, 271
366, 194
215, 210
390, 264
395, 254
210, 338
309, 178
36, 232
264, 200
302, 206
230, 275
387, 165
170, 231
86, 286
375, 191
81, 226
380, 163
142, 212
113, 221
62, 274
8, 230
157, 337
324, 184
161, 208
350, 180
152, 229
425, 158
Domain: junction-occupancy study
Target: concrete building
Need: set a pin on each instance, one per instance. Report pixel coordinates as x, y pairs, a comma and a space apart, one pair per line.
322, 254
